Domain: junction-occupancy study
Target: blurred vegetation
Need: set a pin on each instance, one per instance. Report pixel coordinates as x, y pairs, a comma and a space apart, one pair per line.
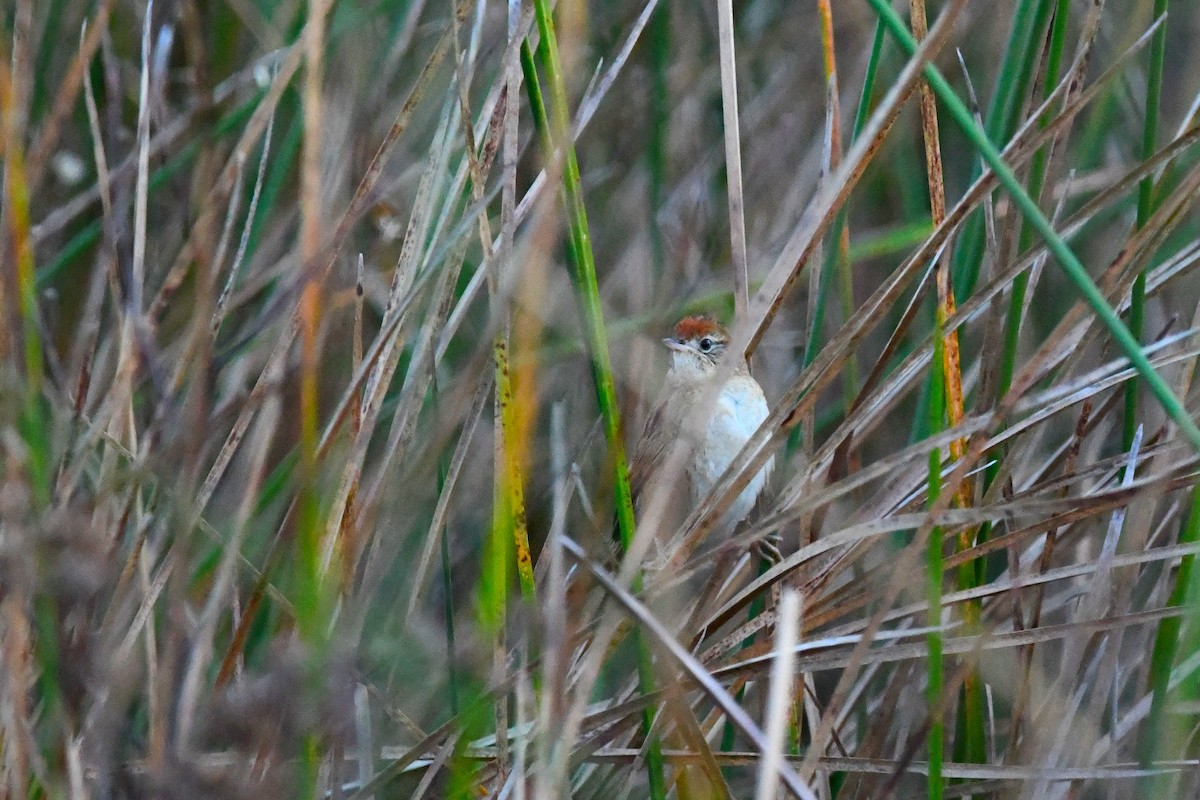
329, 326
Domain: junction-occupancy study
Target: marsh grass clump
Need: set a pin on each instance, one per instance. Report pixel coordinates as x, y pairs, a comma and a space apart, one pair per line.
328, 329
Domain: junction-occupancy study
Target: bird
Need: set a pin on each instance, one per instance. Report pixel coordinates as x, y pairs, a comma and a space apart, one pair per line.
714, 422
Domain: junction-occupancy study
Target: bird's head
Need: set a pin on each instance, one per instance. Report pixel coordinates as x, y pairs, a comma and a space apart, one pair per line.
698, 344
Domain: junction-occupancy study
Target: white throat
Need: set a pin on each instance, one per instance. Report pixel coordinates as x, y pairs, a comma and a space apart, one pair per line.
689, 367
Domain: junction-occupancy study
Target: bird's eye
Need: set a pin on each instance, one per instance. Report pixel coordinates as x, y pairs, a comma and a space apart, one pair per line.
706, 344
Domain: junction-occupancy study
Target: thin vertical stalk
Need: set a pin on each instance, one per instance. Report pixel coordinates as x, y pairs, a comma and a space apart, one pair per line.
945, 408
21, 647
861, 115
1162, 656
733, 159
448, 613
509, 533
933, 573
950, 395
497, 554
310, 596
447, 582
1145, 204
16, 201
850, 379
950, 362
311, 216
658, 33
512, 444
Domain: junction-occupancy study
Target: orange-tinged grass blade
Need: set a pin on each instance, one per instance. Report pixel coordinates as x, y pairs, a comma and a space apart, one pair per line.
951, 359
17, 201
33, 424
312, 599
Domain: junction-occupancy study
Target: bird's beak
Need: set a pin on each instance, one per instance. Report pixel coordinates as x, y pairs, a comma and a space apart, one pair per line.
672, 344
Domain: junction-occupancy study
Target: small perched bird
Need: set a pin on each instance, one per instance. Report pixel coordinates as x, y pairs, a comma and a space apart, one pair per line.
717, 420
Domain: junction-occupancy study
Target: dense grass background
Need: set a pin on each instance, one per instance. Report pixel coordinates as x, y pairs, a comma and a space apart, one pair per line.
328, 327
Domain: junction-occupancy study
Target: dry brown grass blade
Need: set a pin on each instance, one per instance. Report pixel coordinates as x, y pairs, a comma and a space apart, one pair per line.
516, 396
402, 761
269, 381
840, 250
170, 135
435, 766
907, 462
222, 302
1032, 410
849, 632
693, 735
695, 670
953, 645
20, 76
977, 447
733, 158
398, 306
880, 766
18, 660
832, 605
408, 408
412, 395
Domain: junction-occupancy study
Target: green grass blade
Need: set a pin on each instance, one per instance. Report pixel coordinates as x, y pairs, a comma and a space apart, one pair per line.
557, 129
1037, 179
1162, 656
1012, 85
1145, 204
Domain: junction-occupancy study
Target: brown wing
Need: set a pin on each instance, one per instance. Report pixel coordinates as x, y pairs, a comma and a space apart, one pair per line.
649, 452
655, 446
